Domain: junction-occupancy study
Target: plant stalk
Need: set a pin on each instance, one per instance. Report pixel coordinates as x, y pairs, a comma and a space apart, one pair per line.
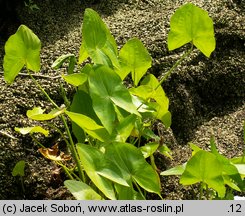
71, 144
43, 91
201, 191
140, 191
174, 66
73, 150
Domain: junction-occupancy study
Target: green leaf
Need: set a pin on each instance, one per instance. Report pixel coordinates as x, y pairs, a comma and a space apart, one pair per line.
127, 193
142, 91
165, 151
107, 90
68, 57
125, 127
19, 169
82, 104
149, 149
37, 114
143, 107
134, 58
81, 191
244, 132
214, 149
162, 101
230, 183
99, 169
147, 133
75, 79
133, 166
229, 170
192, 24
22, 48
178, 170
36, 129
194, 148
83, 53
89, 126
241, 169
98, 42
204, 167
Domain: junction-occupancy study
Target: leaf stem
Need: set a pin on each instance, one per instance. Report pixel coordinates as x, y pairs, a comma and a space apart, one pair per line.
22, 185
59, 131
207, 192
73, 150
66, 170
174, 66
43, 91
153, 164
201, 191
71, 144
37, 142
139, 189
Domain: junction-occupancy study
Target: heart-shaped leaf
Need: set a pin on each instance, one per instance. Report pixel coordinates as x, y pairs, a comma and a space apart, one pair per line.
22, 48
229, 170
19, 169
36, 129
81, 191
107, 90
134, 58
133, 166
192, 24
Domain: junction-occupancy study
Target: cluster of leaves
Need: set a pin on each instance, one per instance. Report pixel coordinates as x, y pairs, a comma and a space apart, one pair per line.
109, 119
211, 170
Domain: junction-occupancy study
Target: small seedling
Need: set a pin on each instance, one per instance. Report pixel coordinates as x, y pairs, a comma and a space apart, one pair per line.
19, 170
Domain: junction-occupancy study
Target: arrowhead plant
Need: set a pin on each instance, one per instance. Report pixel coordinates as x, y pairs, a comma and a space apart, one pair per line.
109, 118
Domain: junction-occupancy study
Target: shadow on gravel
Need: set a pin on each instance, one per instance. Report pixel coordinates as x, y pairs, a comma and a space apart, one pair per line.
53, 20
207, 87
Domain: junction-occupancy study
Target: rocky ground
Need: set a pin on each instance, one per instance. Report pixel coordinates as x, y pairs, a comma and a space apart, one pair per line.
206, 95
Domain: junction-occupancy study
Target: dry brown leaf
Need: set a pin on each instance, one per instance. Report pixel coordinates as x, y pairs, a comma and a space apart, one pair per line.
53, 153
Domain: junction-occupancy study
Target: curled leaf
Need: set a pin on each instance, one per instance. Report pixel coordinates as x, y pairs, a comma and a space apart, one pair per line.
36, 129
37, 114
54, 154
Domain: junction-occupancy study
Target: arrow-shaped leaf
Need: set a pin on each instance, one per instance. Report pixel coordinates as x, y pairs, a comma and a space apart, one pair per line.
192, 24
22, 48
